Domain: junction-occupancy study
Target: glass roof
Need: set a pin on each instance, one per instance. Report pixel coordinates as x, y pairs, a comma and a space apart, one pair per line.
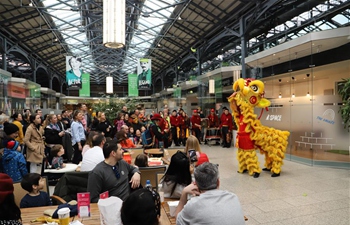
154, 16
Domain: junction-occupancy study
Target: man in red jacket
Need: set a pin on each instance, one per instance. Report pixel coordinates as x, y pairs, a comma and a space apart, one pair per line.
174, 122
196, 125
226, 128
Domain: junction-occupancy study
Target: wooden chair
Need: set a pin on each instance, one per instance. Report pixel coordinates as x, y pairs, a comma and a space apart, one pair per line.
172, 151
135, 152
150, 173
19, 193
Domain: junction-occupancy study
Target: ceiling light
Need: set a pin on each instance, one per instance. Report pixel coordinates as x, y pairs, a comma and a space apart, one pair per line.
114, 23
293, 95
308, 94
280, 95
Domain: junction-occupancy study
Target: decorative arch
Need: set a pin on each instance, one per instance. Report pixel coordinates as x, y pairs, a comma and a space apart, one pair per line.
42, 77
56, 85
158, 86
64, 88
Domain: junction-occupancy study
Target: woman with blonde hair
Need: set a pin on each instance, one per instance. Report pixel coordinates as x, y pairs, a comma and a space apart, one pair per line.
193, 150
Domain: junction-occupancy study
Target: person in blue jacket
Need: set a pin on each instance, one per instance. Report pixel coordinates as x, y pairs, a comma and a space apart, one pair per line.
13, 162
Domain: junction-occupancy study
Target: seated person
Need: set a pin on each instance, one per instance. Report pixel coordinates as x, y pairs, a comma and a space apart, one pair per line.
10, 214
124, 140
211, 205
95, 154
142, 207
57, 161
112, 174
177, 176
141, 160
33, 183
12, 162
193, 144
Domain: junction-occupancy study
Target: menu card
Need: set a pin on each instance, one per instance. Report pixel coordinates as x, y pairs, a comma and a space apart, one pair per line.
83, 204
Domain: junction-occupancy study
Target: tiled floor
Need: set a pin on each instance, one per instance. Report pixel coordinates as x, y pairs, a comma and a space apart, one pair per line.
301, 195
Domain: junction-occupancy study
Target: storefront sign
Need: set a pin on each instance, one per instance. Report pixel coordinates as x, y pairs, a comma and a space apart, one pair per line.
16, 92
274, 117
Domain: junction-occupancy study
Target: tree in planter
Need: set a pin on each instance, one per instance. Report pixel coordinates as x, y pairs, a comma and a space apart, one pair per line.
344, 92
112, 105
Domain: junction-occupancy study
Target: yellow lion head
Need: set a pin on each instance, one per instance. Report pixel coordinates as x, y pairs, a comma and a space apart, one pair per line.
250, 91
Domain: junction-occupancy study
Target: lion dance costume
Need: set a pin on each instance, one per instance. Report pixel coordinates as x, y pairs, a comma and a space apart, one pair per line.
252, 135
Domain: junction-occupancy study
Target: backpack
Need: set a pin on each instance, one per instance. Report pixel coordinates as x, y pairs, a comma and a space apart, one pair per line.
147, 138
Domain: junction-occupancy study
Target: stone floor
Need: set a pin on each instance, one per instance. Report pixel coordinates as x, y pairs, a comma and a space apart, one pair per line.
301, 195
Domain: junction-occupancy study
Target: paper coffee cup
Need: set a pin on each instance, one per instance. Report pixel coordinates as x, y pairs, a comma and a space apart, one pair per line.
63, 216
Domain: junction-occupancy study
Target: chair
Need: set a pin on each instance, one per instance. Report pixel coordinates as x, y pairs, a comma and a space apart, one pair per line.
150, 173
70, 184
135, 153
171, 151
19, 193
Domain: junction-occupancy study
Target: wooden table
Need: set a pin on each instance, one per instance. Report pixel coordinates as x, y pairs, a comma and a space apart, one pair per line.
154, 151
29, 214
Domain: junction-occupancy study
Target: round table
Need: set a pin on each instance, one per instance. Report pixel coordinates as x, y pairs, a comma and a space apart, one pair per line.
70, 167
154, 151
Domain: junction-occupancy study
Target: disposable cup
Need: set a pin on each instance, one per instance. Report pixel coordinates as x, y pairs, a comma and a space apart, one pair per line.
63, 216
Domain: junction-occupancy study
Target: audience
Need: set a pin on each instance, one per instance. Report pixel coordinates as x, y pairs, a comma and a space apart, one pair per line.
17, 120
216, 206
112, 174
57, 161
33, 183
10, 214
88, 144
124, 140
141, 160
13, 162
11, 132
142, 207
95, 155
78, 136
178, 175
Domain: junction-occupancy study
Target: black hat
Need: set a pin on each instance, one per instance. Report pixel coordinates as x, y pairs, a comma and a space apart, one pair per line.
224, 108
10, 128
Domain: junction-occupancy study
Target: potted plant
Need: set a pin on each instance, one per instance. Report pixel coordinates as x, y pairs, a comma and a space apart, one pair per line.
344, 92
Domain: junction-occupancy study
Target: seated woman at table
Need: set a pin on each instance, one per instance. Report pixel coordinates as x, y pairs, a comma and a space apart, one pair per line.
142, 207
33, 183
193, 144
141, 160
178, 175
88, 143
9, 212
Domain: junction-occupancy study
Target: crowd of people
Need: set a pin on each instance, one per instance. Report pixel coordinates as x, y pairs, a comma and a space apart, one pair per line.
32, 142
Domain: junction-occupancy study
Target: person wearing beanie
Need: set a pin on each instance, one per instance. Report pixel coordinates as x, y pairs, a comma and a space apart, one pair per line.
9, 212
13, 162
11, 132
17, 120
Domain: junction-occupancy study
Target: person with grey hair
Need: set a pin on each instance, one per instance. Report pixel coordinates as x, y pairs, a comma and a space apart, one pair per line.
211, 205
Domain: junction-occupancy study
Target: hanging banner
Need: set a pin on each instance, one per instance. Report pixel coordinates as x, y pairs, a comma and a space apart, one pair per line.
133, 90
85, 88
144, 77
73, 72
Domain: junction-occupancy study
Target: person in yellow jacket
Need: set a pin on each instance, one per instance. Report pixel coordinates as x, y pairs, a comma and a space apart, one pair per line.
17, 120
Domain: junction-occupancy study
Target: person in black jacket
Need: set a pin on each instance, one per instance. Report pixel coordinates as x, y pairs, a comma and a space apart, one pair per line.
52, 133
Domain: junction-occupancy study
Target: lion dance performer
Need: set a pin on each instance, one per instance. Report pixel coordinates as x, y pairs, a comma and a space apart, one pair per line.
252, 135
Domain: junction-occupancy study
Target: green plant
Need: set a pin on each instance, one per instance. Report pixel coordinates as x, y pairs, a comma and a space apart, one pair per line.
112, 105
344, 92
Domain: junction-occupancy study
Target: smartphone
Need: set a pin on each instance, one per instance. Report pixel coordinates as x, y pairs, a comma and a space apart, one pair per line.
193, 155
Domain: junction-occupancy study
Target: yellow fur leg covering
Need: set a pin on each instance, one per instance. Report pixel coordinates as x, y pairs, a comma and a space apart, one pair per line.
252, 162
241, 161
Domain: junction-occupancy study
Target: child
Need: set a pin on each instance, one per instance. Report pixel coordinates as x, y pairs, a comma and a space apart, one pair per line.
33, 183
141, 160
13, 162
57, 161
137, 138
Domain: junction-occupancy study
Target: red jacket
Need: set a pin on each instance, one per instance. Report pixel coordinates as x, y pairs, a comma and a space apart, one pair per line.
213, 120
174, 121
195, 120
226, 121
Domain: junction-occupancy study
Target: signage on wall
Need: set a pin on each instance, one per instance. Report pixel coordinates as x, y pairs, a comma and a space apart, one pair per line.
327, 116
274, 117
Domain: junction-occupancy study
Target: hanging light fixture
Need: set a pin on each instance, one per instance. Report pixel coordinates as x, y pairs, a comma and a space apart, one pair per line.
211, 86
280, 95
114, 23
308, 93
109, 84
293, 95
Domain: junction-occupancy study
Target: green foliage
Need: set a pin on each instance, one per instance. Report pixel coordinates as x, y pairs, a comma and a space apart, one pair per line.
344, 92
112, 105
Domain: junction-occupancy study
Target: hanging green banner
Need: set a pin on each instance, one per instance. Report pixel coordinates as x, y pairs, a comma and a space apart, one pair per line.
144, 71
177, 92
133, 89
85, 87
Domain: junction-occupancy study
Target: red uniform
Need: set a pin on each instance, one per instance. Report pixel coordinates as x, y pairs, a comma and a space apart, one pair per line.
195, 119
174, 121
226, 121
213, 120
